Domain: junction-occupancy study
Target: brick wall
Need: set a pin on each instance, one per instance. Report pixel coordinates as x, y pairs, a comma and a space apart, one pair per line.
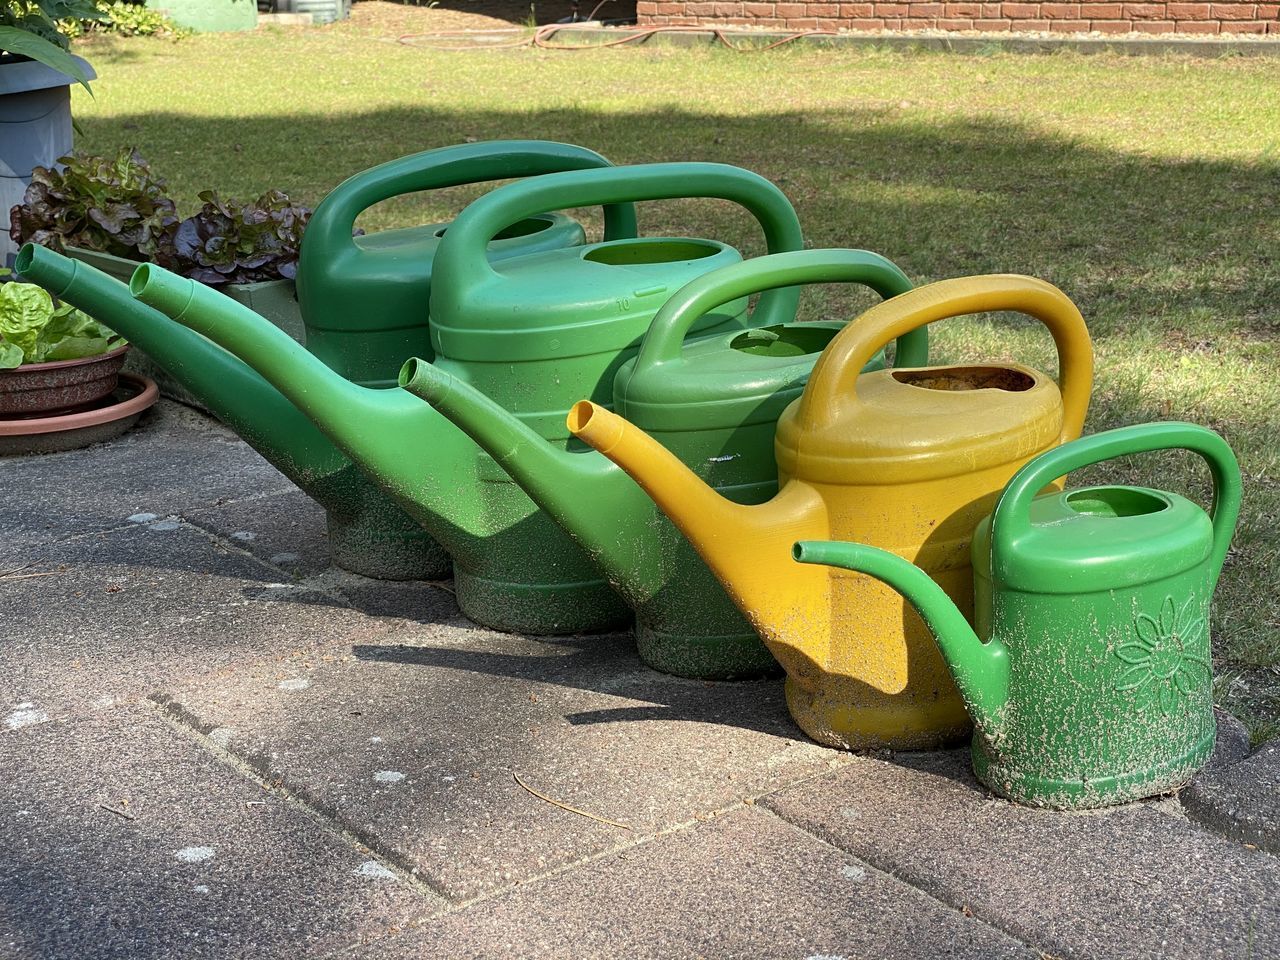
1111, 18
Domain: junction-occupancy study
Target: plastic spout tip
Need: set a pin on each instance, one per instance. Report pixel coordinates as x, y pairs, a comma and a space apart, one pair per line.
595, 425
165, 291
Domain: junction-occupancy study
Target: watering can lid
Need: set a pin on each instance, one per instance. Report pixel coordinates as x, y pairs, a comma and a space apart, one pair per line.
725, 380
573, 302
1100, 538
910, 425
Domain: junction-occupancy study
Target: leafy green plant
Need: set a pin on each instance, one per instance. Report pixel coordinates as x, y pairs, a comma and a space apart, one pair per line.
117, 206
129, 18
35, 29
33, 329
233, 242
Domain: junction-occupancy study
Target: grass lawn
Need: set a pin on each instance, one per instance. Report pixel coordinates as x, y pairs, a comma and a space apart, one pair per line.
1147, 189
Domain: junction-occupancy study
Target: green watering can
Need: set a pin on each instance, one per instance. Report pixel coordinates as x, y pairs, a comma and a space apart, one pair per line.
1092, 683
714, 402
364, 299
534, 333
368, 532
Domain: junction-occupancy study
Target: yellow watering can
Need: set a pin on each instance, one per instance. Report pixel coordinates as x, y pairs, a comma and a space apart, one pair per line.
905, 460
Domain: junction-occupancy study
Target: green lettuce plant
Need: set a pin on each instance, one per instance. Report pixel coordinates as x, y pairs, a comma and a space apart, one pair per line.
33, 329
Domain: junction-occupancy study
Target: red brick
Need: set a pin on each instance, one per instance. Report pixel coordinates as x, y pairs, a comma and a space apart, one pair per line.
892, 23
1144, 11
1155, 26
1241, 26
1060, 11
962, 10
1029, 25
1101, 11
992, 25
1069, 26
1199, 26
670, 9
864, 23
925, 9
682, 21
1188, 11
757, 9
1269, 11
891, 9
1019, 10
802, 23
1111, 26
1273, 27
823, 10
726, 10
786, 10
1232, 11
857, 11
646, 7
701, 8
918, 23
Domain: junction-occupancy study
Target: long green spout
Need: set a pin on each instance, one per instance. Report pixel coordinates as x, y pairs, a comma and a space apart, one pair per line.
245, 402
981, 670
586, 493
409, 449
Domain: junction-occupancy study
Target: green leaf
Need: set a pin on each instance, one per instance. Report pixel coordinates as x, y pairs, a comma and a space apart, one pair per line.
10, 355
24, 310
25, 44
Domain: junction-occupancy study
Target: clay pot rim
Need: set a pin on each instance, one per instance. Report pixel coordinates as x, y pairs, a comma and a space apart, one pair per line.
60, 364
147, 393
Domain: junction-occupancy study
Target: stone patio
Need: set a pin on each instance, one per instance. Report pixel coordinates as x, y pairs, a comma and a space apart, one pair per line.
213, 744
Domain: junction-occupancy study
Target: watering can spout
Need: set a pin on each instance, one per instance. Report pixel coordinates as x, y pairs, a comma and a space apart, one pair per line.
737, 541
981, 670
236, 394
414, 454
572, 487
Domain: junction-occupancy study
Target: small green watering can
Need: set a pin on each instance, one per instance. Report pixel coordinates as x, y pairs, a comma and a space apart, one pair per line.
714, 402
534, 333
1091, 684
364, 299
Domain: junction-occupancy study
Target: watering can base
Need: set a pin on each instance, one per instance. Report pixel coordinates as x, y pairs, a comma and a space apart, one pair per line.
850, 723
399, 553
728, 657
548, 609
1014, 784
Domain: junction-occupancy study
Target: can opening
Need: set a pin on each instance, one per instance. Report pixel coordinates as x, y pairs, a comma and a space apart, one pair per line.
783, 340
622, 253
521, 228
1114, 502
967, 378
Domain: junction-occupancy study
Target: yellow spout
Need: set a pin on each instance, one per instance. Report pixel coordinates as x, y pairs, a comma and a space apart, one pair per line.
748, 548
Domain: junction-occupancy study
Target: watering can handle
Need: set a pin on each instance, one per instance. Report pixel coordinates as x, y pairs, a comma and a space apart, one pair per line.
833, 384
665, 339
461, 266
1012, 519
334, 219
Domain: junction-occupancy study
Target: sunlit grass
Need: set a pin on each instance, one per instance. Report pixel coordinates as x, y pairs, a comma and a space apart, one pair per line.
1147, 188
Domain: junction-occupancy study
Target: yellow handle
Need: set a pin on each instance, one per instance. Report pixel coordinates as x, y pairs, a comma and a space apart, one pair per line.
833, 384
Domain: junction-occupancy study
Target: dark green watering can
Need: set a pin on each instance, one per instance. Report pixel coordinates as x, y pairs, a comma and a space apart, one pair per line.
714, 402
498, 328
364, 299
1092, 683
368, 532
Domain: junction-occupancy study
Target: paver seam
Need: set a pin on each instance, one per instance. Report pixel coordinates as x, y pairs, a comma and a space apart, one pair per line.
962, 909
182, 721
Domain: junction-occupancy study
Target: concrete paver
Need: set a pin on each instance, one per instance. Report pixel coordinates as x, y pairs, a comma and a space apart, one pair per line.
175, 459
746, 885
285, 528
1242, 799
200, 863
415, 746
1130, 882
130, 609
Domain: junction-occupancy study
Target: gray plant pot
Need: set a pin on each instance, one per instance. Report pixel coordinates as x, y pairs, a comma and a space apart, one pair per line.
35, 130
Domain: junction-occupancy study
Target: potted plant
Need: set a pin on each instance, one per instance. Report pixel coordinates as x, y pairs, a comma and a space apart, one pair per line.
53, 357
36, 73
115, 213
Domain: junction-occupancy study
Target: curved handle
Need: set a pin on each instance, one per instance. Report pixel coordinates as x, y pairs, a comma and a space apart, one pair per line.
665, 338
460, 263
835, 376
334, 219
1012, 520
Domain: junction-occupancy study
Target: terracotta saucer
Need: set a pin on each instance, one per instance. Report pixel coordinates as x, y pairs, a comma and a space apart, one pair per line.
111, 417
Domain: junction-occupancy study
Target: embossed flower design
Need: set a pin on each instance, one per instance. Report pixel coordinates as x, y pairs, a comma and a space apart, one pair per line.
1163, 663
